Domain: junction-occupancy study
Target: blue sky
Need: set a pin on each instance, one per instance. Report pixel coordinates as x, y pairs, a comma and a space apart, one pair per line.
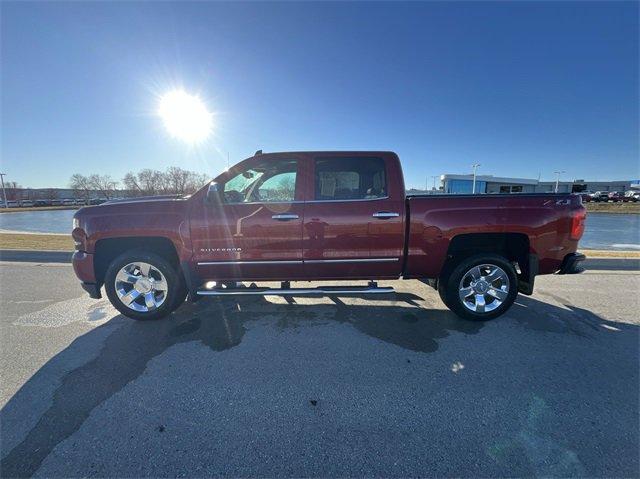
522, 88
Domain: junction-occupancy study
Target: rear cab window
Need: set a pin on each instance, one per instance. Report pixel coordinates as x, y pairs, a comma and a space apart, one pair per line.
350, 178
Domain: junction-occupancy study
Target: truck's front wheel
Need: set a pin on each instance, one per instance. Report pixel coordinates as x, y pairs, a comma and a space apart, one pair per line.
143, 285
480, 287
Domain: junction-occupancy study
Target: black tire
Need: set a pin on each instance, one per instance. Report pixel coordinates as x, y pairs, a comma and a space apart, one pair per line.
175, 293
442, 285
442, 293
181, 293
449, 286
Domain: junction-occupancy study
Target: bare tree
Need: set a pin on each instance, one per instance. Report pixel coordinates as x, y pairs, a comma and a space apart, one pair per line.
196, 181
130, 182
150, 181
183, 182
81, 186
147, 182
103, 184
13, 190
175, 181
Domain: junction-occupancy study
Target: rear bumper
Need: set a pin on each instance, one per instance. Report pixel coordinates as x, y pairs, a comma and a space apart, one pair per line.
571, 264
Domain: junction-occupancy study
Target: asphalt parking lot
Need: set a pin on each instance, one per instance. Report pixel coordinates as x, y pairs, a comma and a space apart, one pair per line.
395, 386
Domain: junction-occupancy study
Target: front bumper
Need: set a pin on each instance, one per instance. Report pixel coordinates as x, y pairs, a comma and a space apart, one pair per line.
92, 289
571, 264
83, 267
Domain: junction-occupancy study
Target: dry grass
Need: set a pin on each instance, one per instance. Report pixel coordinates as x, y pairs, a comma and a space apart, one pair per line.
37, 242
599, 253
38, 208
619, 208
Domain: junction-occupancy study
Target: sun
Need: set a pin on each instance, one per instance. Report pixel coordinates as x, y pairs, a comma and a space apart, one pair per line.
185, 116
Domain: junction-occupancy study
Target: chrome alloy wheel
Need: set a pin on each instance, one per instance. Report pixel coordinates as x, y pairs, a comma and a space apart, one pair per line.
484, 288
141, 287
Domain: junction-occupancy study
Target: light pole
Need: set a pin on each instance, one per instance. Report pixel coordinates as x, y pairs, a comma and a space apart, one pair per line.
434, 181
4, 193
558, 173
475, 167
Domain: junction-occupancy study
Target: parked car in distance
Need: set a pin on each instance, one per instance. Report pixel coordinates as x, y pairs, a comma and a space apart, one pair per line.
96, 201
616, 196
600, 196
56, 202
26, 203
632, 196
42, 202
323, 216
586, 196
68, 202
13, 204
80, 202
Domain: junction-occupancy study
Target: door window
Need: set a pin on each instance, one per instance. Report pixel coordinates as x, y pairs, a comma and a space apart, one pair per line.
280, 187
268, 181
357, 178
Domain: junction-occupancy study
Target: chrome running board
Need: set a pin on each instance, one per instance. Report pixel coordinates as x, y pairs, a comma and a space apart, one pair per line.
320, 291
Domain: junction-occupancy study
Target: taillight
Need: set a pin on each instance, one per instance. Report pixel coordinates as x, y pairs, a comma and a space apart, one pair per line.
577, 224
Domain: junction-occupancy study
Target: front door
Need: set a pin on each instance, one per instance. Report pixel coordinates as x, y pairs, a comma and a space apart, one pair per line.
254, 231
353, 225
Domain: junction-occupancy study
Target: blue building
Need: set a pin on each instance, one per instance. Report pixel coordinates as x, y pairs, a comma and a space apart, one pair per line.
463, 184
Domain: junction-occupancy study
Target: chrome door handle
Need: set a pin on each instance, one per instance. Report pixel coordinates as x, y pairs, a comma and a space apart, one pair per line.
284, 217
383, 215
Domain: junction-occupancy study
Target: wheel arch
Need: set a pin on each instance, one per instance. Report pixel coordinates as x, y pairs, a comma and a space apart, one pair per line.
106, 250
510, 245
515, 247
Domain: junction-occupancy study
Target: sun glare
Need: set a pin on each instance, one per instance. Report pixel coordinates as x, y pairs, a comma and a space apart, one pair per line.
185, 116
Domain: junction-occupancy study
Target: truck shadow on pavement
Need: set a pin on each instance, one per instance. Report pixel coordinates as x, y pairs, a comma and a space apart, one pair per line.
122, 352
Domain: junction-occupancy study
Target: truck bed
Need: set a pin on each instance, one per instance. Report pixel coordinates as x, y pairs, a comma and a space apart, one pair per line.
542, 220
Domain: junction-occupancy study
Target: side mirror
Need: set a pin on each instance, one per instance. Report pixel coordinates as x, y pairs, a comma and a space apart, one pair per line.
214, 194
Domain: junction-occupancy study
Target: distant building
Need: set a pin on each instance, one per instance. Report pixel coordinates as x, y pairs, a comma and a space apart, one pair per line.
416, 191
463, 184
34, 194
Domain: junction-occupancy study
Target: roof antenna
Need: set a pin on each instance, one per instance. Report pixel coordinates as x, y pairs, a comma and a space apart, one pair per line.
258, 153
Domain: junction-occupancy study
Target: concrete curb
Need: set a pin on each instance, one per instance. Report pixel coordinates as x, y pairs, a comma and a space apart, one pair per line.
615, 264
31, 256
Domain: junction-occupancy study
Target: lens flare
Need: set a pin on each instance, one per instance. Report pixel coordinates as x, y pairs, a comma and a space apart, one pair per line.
185, 116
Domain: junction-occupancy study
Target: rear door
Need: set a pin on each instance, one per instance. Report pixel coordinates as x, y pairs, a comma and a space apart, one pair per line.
353, 220
255, 232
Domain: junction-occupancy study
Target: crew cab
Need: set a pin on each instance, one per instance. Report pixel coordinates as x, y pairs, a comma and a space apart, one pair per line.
323, 216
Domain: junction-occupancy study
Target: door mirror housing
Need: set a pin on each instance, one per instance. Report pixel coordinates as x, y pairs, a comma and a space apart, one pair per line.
214, 194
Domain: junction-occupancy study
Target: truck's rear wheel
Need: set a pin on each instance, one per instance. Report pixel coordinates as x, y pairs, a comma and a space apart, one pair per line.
143, 286
480, 287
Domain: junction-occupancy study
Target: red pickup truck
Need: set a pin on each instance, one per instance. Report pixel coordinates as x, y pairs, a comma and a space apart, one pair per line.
323, 216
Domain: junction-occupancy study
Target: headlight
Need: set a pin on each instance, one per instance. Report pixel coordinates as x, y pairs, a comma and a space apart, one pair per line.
76, 223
